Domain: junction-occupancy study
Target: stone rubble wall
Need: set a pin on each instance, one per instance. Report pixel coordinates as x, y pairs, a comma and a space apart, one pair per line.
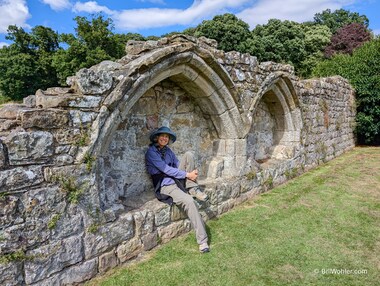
75, 200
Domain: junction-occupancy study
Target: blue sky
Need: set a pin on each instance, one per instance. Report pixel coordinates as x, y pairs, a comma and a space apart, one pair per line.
157, 17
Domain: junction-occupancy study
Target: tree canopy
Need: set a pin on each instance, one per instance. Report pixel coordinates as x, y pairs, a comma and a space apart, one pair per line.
227, 30
347, 39
362, 69
279, 41
339, 18
92, 43
26, 65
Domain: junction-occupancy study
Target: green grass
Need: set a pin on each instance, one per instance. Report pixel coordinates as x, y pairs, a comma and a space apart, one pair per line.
297, 234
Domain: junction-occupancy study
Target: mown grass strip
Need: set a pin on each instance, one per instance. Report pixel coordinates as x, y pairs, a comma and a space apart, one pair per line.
321, 228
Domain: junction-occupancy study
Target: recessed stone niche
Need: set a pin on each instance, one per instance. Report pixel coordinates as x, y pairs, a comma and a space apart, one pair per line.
125, 185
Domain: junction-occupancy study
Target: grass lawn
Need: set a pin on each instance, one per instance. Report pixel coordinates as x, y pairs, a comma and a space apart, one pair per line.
322, 228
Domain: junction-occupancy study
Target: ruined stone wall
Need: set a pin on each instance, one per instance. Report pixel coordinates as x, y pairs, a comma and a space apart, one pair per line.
75, 199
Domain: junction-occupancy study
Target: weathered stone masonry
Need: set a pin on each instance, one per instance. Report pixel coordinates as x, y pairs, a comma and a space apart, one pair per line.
75, 199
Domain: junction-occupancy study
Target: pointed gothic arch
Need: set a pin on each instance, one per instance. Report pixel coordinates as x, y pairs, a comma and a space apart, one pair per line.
278, 104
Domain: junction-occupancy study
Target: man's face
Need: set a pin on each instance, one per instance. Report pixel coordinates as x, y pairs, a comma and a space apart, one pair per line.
163, 140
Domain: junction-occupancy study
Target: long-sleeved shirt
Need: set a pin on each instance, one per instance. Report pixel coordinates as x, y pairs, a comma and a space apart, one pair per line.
156, 164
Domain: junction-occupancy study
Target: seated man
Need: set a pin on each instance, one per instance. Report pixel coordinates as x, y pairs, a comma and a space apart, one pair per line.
174, 182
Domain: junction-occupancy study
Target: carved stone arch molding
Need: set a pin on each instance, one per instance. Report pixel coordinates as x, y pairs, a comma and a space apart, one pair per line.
276, 120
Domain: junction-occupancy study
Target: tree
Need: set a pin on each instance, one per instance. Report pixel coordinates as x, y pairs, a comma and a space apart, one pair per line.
347, 38
25, 65
92, 43
278, 41
339, 18
317, 37
226, 29
362, 69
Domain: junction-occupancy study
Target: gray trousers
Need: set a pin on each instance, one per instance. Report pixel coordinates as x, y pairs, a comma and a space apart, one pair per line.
186, 201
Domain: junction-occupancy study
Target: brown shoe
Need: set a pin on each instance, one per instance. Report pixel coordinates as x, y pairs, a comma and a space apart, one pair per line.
198, 194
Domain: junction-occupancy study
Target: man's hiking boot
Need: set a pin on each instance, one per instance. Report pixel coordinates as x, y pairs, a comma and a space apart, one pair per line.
198, 194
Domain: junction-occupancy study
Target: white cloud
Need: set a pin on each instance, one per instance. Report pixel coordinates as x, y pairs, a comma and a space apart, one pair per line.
57, 5
293, 10
136, 19
2, 44
13, 12
91, 7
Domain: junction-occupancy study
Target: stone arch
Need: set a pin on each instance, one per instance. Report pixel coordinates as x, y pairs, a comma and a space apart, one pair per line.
208, 83
276, 113
203, 79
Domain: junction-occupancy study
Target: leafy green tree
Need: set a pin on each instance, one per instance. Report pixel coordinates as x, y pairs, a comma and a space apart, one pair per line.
92, 43
25, 65
362, 69
226, 29
317, 37
348, 38
339, 18
278, 41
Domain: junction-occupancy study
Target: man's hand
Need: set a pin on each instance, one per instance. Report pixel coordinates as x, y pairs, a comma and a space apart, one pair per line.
193, 175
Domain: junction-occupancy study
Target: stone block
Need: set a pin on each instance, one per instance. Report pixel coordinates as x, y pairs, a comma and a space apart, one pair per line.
150, 240
144, 222
241, 147
81, 119
46, 118
215, 168
63, 159
29, 147
52, 99
162, 215
166, 233
6, 124
89, 81
73, 275
107, 261
29, 101
230, 169
219, 147
8, 210
223, 192
109, 236
86, 102
225, 206
52, 258
11, 274
12, 111
129, 249
3, 158
23, 233
19, 178
70, 223
230, 147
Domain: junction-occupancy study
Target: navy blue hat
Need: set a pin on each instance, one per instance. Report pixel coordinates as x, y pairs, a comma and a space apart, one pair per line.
161, 130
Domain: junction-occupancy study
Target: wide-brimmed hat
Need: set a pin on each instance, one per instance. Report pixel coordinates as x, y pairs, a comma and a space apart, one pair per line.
161, 130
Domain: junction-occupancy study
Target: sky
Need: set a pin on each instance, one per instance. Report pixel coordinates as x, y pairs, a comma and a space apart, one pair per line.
157, 17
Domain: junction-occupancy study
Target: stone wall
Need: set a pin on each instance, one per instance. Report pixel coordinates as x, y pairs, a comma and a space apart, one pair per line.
75, 199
